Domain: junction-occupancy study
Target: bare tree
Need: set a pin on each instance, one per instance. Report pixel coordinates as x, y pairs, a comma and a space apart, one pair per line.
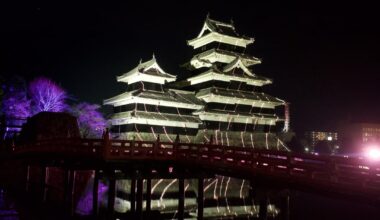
46, 96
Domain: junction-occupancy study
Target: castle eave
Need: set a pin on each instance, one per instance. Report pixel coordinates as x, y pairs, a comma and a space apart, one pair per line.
233, 118
218, 37
154, 118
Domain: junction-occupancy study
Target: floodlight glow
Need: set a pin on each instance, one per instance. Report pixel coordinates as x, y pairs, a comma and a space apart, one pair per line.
373, 153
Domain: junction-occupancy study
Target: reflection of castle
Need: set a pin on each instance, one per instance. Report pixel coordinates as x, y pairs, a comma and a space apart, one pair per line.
221, 99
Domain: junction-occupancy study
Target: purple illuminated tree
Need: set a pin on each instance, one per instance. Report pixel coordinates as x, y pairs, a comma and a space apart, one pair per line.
15, 103
47, 96
90, 121
15, 107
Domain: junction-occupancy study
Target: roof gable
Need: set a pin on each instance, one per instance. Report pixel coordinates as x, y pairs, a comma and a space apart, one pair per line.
211, 25
237, 63
150, 67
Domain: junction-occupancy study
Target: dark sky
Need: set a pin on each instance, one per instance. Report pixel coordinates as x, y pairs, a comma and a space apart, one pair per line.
323, 57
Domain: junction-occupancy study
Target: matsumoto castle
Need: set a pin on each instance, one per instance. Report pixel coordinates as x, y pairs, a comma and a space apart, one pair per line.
221, 102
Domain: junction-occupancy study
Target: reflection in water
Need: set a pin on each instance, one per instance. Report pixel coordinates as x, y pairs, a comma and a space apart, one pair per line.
223, 197
84, 206
7, 207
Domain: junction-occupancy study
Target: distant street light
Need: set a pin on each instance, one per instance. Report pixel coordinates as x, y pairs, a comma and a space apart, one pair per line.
373, 153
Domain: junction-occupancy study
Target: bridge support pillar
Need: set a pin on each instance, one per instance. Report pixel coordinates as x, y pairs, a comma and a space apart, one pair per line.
27, 179
251, 192
181, 198
285, 206
133, 195
68, 190
139, 197
95, 193
200, 200
111, 194
263, 211
43, 183
148, 195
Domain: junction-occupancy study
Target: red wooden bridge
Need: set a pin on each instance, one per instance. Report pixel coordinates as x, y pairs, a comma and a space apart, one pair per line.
331, 174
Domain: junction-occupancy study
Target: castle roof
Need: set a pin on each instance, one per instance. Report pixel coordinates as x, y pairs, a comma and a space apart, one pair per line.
239, 97
169, 98
235, 74
148, 71
214, 30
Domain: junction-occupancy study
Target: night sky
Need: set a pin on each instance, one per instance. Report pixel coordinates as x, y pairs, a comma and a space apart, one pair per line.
323, 58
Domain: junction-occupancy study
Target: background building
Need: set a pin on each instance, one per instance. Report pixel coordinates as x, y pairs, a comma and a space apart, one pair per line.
321, 142
313, 137
355, 136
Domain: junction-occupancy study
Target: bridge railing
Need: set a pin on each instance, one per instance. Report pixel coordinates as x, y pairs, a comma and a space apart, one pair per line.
346, 172
67, 146
136, 150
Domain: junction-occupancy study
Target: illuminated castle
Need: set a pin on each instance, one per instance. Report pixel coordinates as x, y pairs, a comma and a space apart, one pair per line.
235, 110
221, 102
148, 108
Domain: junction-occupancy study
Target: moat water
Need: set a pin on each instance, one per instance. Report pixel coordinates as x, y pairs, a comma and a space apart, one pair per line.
302, 205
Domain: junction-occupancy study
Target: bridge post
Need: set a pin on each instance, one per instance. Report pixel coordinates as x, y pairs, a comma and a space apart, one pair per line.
211, 139
95, 193
139, 197
156, 146
106, 144
133, 195
148, 195
200, 200
111, 194
175, 146
290, 164
133, 141
181, 198
43, 183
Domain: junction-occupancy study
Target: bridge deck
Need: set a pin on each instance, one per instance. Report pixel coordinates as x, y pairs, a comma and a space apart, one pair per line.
347, 176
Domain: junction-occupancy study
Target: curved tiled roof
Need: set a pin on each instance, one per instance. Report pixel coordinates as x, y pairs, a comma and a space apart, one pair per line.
239, 94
